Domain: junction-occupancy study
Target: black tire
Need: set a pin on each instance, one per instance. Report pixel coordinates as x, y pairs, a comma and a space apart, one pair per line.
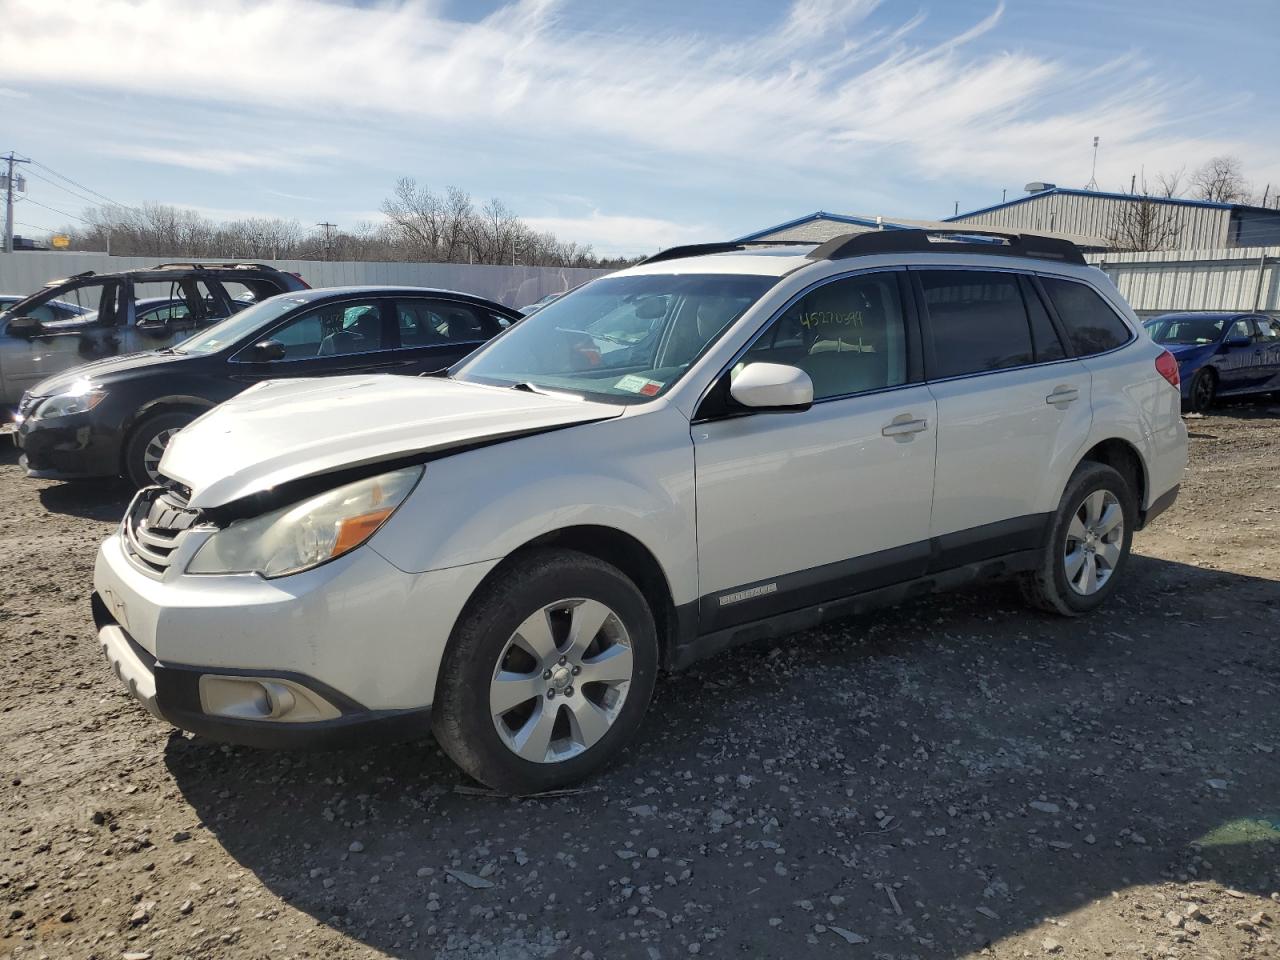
1048, 586
1203, 392
461, 719
134, 461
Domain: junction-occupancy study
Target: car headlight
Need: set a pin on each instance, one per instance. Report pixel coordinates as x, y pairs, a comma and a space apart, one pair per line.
308, 533
81, 397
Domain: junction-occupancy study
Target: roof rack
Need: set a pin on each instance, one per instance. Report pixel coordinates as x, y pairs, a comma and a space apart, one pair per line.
205, 265
701, 249
988, 242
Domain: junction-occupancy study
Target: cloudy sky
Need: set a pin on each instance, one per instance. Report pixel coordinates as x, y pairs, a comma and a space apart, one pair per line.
631, 124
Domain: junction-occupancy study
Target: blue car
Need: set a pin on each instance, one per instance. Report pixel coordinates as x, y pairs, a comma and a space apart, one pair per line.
1220, 354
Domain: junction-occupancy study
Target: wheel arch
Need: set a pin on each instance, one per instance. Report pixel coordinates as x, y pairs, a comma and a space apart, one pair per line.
620, 549
154, 408
1123, 457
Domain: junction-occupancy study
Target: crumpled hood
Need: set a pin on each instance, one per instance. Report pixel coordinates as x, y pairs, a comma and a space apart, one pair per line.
285, 430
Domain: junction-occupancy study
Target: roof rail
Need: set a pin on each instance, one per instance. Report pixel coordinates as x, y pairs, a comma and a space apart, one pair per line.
701, 249
986, 242
206, 264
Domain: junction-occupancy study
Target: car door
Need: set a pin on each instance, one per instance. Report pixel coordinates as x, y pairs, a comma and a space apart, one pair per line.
63, 340
345, 336
1268, 341
1238, 357
797, 508
437, 332
1013, 410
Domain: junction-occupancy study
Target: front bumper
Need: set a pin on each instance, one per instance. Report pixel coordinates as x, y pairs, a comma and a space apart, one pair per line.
344, 653
174, 693
68, 448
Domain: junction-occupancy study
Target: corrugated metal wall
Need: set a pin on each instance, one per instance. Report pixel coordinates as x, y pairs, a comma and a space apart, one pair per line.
24, 272
1168, 280
1199, 227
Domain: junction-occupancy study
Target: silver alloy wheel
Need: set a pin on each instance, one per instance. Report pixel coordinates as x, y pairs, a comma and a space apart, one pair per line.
561, 680
155, 450
1095, 538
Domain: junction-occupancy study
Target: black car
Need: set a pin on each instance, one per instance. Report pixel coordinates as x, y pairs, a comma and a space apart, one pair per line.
115, 416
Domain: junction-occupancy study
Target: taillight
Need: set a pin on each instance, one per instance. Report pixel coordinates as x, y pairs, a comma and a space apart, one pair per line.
1167, 367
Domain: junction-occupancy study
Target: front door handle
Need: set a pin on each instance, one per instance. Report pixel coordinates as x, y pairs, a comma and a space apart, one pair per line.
903, 425
1063, 395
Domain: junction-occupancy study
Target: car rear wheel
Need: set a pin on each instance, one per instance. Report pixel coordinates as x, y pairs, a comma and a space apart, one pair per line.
1088, 545
1204, 388
146, 445
548, 673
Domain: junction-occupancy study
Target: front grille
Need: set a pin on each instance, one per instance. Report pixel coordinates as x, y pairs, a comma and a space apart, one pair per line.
154, 526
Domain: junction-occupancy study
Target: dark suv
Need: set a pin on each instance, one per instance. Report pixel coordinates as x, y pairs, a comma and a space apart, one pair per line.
96, 315
116, 415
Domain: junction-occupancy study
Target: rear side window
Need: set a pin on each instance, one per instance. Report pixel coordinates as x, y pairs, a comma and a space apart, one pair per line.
977, 320
1048, 345
425, 323
1090, 322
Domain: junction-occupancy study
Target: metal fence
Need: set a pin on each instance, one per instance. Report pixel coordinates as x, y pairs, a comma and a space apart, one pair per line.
24, 272
1245, 278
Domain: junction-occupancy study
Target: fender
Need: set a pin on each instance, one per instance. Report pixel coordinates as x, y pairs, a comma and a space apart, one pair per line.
483, 504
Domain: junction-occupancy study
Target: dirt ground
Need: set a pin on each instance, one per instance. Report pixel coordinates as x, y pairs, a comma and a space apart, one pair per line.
956, 778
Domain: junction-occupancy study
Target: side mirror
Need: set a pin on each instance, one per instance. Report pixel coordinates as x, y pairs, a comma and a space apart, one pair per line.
25, 327
1237, 343
267, 351
772, 386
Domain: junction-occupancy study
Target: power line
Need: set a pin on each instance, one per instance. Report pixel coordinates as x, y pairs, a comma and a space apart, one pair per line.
81, 186
54, 183
59, 212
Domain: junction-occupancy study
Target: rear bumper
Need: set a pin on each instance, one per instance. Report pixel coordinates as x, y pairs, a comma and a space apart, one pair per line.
172, 693
1158, 506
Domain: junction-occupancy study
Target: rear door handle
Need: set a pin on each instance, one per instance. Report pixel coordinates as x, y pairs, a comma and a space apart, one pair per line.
903, 426
1063, 395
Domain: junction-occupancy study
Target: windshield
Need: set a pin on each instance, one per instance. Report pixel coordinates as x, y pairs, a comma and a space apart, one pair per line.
618, 339
1185, 330
240, 325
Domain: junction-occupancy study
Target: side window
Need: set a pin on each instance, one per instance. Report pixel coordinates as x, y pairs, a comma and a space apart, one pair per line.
333, 330
848, 335
1268, 329
1044, 336
1241, 328
977, 320
429, 322
1092, 325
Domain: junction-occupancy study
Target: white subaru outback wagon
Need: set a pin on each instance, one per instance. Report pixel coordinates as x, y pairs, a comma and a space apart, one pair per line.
726, 442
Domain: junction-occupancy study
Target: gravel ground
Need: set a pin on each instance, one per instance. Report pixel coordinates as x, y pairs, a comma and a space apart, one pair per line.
956, 778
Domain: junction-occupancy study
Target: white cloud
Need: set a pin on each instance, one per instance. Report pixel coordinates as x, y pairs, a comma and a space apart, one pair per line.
823, 91
215, 159
618, 235
14, 94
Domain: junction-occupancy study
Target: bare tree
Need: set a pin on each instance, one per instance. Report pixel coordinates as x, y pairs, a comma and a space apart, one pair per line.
1221, 179
1143, 222
1171, 183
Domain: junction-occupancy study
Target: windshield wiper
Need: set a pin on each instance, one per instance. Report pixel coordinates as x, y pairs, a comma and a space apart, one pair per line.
525, 387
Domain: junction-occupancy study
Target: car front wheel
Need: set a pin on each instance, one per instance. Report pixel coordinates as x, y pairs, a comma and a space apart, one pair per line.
146, 445
548, 673
1204, 389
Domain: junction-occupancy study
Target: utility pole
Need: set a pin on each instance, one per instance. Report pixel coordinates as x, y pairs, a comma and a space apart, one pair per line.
1093, 173
328, 237
8, 201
